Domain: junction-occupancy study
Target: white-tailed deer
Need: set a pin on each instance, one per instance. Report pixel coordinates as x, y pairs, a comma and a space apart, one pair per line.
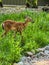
15, 26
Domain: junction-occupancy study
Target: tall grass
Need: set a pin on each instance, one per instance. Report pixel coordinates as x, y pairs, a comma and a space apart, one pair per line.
35, 35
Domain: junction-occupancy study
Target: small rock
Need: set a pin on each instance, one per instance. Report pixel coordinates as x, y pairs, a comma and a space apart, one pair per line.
34, 60
40, 54
40, 49
27, 63
46, 52
30, 54
15, 64
21, 63
24, 59
47, 48
29, 59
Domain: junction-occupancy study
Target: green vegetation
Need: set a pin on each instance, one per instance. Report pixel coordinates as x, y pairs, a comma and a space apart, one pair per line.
34, 36
33, 3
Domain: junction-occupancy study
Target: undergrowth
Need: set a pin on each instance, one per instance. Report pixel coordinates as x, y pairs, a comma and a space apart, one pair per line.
35, 35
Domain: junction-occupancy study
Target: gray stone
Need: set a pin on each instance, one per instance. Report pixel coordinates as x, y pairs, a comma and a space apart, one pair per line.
46, 52
27, 63
29, 53
24, 59
29, 59
47, 47
40, 54
21, 63
15, 64
40, 49
34, 60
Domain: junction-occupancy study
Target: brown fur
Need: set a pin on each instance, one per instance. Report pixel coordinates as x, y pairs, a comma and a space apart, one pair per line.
16, 26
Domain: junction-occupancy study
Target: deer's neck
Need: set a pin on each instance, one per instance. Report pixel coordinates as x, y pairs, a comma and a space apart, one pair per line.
26, 22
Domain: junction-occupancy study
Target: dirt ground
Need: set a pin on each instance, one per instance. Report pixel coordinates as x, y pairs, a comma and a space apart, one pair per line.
43, 62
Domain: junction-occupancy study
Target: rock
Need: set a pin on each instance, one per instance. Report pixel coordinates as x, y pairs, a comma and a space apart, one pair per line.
20, 63
34, 60
40, 49
45, 9
40, 54
29, 59
8, 10
26, 63
47, 47
15, 64
24, 59
46, 52
29, 54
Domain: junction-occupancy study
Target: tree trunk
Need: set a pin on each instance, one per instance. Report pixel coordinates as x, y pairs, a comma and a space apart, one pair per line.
1, 4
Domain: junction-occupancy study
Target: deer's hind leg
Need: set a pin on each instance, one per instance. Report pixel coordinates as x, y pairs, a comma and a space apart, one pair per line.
4, 34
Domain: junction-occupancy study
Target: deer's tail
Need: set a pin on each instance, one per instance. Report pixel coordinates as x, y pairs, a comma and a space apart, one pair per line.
3, 25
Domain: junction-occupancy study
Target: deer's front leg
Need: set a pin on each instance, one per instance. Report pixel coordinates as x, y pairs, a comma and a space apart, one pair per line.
20, 32
15, 34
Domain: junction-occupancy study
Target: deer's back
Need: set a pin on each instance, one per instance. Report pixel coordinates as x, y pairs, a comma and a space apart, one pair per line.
12, 25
